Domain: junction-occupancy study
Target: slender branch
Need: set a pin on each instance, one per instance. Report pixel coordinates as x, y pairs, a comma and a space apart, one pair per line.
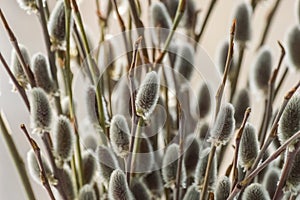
37, 152
269, 20
208, 14
254, 173
286, 170
270, 98
18, 162
14, 80
286, 70
15, 44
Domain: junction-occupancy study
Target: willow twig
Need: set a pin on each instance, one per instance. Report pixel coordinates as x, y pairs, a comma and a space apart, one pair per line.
283, 76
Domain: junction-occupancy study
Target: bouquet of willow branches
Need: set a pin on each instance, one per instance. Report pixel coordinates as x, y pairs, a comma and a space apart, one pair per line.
145, 134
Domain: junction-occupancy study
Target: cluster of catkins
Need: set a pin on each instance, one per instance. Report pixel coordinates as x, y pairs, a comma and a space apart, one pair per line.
110, 163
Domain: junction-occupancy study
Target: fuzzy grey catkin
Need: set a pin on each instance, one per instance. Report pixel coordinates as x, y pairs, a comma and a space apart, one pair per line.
292, 39
223, 188
140, 190
289, 122
67, 184
261, 69
191, 154
222, 57
63, 139
118, 188
147, 95
255, 191
241, 102
192, 193
153, 181
293, 178
171, 6
201, 169
40, 68
242, 14
248, 147
169, 165
204, 100
271, 179
16, 66
159, 16
34, 169
91, 105
57, 25
28, 5
90, 142
107, 162
65, 106
224, 125
40, 112
184, 63
119, 135
87, 193
89, 166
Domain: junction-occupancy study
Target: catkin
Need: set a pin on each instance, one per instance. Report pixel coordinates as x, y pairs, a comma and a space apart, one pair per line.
118, 188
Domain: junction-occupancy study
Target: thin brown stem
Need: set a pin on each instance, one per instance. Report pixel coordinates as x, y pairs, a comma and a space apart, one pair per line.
37, 152
283, 76
14, 80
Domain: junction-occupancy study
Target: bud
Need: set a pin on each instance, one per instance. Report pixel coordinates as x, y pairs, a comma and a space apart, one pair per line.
87, 193
223, 188
293, 179
201, 169
191, 154
28, 5
261, 69
41, 72
107, 162
153, 181
67, 183
192, 193
224, 125
65, 106
34, 168
91, 105
204, 100
292, 39
271, 179
222, 53
171, 6
242, 14
255, 191
289, 122
140, 190
119, 135
160, 17
63, 140
40, 111
89, 166
57, 25
248, 147
147, 95
16, 66
118, 188
184, 63
90, 142
241, 102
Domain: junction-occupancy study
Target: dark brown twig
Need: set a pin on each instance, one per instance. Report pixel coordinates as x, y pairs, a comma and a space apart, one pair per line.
37, 152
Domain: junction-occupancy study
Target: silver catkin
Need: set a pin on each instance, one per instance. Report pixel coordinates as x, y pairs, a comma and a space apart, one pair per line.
248, 147
204, 100
153, 181
139, 189
292, 39
289, 122
242, 14
192, 193
184, 63
28, 5
91, 103
16, 66
107, 162
224, 126
118, 188
147, 95
223, 188
241, 102
160, 17
169, 165
87, 193
67, 184
119, 135
271, 179
293, 178
57, 26
201, 169
191, 154
40, 68
34, 169
40, 112
255, 191
63, 140
89, 166
221, 57
261, 69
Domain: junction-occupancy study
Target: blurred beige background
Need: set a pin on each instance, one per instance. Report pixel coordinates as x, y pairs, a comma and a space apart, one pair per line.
28, 32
